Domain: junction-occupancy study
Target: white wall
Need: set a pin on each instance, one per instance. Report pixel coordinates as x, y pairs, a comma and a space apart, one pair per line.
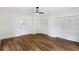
10, 24
6, 25
65, 25
15, 24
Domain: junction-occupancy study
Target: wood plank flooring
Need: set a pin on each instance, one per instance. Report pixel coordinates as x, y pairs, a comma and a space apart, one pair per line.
38, 42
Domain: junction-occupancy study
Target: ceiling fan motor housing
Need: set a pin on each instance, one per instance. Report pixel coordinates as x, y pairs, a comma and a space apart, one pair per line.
37, 11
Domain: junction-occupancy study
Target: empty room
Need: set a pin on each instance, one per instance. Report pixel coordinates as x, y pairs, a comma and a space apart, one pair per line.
39, 28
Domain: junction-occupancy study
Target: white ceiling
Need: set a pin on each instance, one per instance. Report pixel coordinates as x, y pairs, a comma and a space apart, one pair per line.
31, 10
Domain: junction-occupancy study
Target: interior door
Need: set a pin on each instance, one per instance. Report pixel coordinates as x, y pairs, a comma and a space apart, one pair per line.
24, 25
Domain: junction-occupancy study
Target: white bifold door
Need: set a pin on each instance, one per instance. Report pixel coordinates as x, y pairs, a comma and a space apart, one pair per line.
40, 24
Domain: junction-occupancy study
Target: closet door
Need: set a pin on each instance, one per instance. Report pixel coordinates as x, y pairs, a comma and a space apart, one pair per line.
36, 25
44, 24
68, 27
40, 24
63, 27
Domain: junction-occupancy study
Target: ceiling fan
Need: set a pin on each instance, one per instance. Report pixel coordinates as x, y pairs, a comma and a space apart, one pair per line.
37, 11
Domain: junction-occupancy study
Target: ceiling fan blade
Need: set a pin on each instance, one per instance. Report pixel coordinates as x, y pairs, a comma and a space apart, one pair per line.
41, 12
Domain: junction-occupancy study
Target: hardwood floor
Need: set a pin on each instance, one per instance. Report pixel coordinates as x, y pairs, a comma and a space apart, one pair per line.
38, 42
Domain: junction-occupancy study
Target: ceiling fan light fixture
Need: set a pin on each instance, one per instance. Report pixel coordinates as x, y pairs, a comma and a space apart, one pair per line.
37, 11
